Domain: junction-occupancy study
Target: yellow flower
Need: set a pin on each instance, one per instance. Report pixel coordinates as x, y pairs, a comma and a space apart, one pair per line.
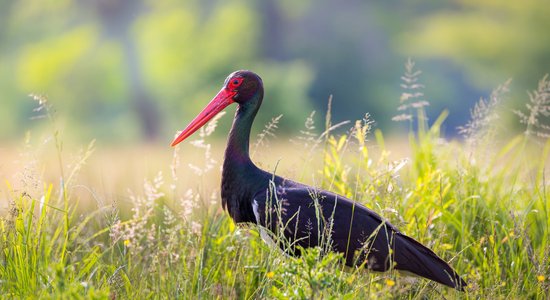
540, 278
390, 282
126, 243
269, 275
446, 246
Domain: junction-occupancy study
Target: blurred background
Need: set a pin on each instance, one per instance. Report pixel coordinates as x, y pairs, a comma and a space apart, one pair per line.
138, 70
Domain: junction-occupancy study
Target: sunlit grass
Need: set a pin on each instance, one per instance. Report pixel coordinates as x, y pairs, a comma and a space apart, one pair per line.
140, 222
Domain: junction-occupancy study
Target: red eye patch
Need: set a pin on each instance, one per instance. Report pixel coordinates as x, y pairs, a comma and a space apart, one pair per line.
235, 82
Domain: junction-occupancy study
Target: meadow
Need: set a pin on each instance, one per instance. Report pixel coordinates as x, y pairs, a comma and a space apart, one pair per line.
145, 221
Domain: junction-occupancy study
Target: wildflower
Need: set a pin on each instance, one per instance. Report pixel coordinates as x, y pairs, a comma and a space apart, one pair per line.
483, 115
188, 203
126, 243
412, 96
540, 278
152, 189
446, 246
196, 227
482, 240
537, 110
390, 282
270, 274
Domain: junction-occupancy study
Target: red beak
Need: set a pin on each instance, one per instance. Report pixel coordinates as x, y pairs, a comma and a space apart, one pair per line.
221, 101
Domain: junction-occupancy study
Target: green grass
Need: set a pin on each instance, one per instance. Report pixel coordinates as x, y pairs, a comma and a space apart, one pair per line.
481, 204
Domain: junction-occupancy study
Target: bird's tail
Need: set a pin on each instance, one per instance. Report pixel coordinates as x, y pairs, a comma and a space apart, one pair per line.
413, 257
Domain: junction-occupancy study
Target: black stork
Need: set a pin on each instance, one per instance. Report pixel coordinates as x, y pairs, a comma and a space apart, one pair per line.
302, 215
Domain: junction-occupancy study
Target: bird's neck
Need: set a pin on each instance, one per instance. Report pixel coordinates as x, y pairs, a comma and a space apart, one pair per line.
240, 177
237, 153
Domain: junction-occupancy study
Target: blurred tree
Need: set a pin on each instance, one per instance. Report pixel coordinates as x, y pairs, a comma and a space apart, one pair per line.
113, 67
96, 60
117, 18
345, 46
491, 40
10, 112
272, 37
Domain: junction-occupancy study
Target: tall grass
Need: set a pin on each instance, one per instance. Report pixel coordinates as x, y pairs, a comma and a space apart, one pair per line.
481, 204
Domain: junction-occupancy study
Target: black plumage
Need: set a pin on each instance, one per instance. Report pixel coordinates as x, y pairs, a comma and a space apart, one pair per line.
300, 216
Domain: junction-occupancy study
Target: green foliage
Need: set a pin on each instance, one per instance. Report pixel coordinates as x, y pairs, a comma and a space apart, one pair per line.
124, 70
490, 39
41, 258
99, 63
493, 213
481, 206
312, 276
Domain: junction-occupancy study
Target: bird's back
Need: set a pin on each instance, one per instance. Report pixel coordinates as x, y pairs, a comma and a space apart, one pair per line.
300, 216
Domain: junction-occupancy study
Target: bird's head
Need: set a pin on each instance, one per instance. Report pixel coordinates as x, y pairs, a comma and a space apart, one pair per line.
245, 84
241, 87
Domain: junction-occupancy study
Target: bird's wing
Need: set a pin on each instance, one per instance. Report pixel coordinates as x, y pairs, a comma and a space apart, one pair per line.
298, 215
